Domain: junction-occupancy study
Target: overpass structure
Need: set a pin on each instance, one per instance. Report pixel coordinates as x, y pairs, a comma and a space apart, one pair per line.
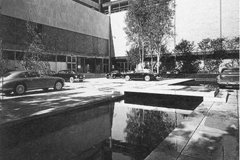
226, 54
114, 6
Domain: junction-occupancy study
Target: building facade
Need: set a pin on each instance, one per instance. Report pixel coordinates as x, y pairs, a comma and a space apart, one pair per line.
77, 33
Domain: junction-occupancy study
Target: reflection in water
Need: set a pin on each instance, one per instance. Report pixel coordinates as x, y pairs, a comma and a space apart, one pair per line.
112, 131
205, 86
74, 135
137, 130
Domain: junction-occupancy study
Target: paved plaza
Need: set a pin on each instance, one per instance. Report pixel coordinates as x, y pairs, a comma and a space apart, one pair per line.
211, 131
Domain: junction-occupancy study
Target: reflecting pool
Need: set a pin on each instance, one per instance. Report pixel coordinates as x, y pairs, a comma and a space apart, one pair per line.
125, 130
205, 86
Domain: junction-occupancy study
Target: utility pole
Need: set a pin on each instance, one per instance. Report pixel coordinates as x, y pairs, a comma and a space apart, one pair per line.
221, 19
174, 44
109, 39
1, 54
1, 60
221, 24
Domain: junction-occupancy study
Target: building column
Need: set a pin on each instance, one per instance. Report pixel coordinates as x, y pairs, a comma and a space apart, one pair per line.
102, 66
100, 5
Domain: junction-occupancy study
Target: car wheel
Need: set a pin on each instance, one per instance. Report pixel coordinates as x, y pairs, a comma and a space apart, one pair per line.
147, 78
127, 78
58, 86
71, 79
158, 77
113, 77
45, 89
19, 89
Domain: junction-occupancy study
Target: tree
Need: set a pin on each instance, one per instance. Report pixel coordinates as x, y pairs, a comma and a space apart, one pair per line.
232, 44
189, 64
167, 62
34, 57
149, 24
217, 48
146, 129
133, 56
136, 21
159, 26
4, 63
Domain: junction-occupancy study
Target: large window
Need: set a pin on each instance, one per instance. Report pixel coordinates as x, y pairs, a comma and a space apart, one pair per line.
61, 58
9, 55
71, 63
19, 55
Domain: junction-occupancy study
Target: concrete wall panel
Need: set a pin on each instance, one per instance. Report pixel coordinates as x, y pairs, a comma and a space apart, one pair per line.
102, 47
65, 14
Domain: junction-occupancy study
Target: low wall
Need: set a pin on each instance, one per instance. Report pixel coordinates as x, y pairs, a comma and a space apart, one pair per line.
181, 75
94, 75
191, 75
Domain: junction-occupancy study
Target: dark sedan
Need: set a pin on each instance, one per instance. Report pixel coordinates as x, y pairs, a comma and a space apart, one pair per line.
114, 74
21, 81
229, 78
70, 76
141, 76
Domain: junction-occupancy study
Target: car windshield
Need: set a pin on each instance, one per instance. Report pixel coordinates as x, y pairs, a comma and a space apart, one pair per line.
61, 72
230, 71
116, 71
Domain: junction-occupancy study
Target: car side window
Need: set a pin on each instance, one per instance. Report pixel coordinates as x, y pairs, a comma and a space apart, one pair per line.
229, 71
61, 72
33, 74
226, 71
23, 75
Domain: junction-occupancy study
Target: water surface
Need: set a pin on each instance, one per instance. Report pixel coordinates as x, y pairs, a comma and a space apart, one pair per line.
123, 130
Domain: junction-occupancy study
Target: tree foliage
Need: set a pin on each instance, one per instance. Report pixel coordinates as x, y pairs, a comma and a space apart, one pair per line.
167, 63
217, 47
3, 65
190, 64
149, 24
232, 44
34, 57
209, 46
133, 56
146, 129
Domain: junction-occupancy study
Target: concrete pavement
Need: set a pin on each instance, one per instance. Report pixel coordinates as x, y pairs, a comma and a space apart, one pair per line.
210, 132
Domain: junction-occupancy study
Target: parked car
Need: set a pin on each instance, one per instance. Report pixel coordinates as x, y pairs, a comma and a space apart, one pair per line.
174, 71
50, 72
114, 74
229, 78
21, 81
70, 76
147, 76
